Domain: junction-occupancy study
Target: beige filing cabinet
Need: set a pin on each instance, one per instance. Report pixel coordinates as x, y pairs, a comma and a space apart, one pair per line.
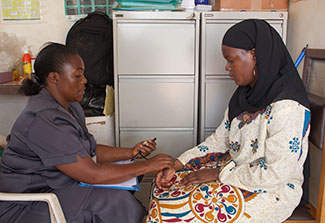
156, 58
216, 87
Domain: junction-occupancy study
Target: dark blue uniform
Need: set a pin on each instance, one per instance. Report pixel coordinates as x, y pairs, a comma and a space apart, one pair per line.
46, 135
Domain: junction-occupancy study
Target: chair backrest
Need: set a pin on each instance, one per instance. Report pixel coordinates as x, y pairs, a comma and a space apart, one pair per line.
317, 102
317, 131
55, 210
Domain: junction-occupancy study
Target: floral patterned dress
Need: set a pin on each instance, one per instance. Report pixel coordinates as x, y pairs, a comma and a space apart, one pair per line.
261, 179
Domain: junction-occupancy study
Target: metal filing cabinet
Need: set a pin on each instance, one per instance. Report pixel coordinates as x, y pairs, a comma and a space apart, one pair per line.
216, 87
156, 79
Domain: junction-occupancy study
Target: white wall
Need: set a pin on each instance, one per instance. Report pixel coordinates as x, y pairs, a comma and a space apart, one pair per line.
10, 107
52, 27
305, 25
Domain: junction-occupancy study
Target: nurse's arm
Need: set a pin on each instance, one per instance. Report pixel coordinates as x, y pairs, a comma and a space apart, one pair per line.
87, 171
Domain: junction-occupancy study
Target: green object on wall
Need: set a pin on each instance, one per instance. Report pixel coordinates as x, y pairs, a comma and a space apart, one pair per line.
84, 7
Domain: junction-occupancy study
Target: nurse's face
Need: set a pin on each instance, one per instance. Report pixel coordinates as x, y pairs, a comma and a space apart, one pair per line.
240, 65
71, 83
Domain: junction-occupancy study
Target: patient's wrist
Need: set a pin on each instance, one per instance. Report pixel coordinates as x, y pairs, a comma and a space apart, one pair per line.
178, 165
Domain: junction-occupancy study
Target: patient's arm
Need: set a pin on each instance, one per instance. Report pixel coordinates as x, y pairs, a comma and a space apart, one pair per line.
210, 159
201, 176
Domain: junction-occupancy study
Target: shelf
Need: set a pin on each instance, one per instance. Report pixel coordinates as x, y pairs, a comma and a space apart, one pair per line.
11, 87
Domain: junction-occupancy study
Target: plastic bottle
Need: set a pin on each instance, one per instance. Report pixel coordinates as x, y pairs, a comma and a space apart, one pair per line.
27, 63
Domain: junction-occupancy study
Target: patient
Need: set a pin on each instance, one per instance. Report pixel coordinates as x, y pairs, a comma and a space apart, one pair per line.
50, 150
251, 168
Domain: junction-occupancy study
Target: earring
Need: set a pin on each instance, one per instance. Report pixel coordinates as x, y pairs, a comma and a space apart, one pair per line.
254, 73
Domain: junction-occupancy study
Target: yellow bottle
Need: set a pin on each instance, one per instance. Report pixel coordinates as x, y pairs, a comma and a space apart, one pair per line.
15, 75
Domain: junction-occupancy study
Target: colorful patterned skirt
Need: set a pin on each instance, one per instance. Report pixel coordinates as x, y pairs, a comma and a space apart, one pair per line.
217, 202
208, 202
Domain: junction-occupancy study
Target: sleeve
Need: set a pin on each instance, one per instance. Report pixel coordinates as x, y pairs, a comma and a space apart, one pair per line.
79, 115
215, 143
93, 145
284, 154
56, 138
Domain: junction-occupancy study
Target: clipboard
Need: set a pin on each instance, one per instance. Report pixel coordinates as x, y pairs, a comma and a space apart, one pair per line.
131, 184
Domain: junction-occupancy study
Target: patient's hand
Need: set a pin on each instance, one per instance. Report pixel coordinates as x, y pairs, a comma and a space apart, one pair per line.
201, 176
163, 178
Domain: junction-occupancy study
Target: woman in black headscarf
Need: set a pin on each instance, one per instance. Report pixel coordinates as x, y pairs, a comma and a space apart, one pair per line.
277, 79
264, 131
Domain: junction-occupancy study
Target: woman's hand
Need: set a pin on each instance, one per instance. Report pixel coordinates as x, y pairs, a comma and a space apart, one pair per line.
159, 162
145, 147
201, 176
163, 178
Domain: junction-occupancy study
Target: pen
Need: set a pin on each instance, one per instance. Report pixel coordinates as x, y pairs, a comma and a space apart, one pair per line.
139, 153
301, 56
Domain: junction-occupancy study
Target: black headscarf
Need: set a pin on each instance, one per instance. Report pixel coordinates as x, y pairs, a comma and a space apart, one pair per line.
277, 76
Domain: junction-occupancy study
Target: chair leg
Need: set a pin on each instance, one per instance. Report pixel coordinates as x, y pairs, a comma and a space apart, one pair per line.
320, 214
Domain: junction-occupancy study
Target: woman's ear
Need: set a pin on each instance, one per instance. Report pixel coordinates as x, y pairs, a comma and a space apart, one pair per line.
52, 78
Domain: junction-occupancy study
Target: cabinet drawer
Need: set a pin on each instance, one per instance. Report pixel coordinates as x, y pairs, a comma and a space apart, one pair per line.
156, 102
218, 93
168, 142
214, 61
155, 48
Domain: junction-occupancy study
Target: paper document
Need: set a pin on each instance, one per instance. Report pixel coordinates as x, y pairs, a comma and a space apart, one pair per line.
131, 184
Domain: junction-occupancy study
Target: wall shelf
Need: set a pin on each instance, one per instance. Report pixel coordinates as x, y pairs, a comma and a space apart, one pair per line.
11, 87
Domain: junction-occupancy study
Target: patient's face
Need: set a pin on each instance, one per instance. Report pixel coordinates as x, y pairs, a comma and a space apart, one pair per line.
240, 65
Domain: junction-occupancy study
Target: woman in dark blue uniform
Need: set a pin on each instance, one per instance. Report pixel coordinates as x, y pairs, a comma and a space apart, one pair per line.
50, 150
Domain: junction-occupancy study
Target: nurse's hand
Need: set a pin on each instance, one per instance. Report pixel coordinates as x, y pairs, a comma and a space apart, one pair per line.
145, 147
159, 162
201, 176
164, 177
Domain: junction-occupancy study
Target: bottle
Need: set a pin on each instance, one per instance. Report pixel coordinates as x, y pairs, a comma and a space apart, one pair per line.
27, 63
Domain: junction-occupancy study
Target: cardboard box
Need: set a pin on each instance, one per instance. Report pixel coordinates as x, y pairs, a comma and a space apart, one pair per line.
250, 5
102, 128
5, 77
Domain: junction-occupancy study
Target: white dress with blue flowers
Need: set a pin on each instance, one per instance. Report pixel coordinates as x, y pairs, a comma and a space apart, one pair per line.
268, 149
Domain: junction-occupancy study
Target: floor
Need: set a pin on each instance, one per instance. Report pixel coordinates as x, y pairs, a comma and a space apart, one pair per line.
144, 194
145, 186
